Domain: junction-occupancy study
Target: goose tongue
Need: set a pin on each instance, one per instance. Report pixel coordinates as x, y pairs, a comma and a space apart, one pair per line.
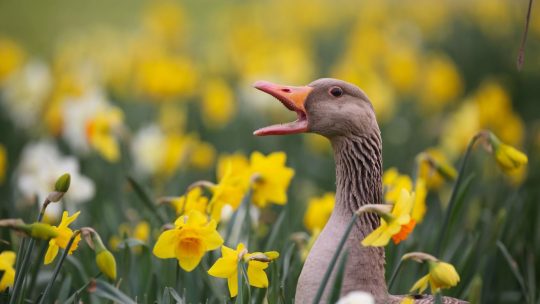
293, 98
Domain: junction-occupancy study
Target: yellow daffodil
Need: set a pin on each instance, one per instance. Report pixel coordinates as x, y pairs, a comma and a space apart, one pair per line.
227, 267
7, 260
64, 234
192, 236
318, 211
202, 155
393, 183
393, 224
407, 300
12, 58
272, 178
419, 206
434, 168
229, 191
441, 275
3, 163
239, 165
193, 200
508, 158
217, 103
442, 82
100, 133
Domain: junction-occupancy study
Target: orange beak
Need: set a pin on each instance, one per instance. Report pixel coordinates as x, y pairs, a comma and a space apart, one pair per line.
293, 98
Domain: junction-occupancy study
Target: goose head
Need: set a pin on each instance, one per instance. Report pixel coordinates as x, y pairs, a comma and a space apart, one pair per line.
329, 107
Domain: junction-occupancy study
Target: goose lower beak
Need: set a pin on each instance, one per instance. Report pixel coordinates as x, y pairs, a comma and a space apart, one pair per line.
293, 98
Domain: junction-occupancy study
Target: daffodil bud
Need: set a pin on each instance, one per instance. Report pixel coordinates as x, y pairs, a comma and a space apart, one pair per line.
60, 188
508, 158
104, 258
62, 183
106, 263
443, 275
42, 231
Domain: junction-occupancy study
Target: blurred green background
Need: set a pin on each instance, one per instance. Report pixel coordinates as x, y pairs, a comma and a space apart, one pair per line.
161, 90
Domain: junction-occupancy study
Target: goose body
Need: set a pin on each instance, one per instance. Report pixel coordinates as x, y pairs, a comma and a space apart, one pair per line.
342, 112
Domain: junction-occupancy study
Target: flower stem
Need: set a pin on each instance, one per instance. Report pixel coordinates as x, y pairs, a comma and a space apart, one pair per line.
452, 201
25, 263
395, 273
333, 261
240, 294
59, 266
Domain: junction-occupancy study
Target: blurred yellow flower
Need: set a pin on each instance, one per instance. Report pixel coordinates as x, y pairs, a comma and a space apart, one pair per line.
407, 300
318, 211
459, 128
227, 267
392, 224
217, 103
441, 275
192, 236
7, 260
140, 232
393, 183
12, 58
64, 235
272, 178
434, 168
166, 20
229, 191
3, 163
100, 132
164, 76
193, 200
402, 68
176, 147
419, 206
507, 157
442, 82
202, 155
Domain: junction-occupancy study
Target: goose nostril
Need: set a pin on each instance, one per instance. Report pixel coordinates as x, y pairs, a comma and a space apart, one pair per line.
286, 90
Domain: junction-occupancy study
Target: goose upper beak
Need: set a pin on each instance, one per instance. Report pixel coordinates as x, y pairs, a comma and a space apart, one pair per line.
293, 98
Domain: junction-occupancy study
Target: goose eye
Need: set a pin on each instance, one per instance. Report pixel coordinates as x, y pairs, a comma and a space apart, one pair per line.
336, 91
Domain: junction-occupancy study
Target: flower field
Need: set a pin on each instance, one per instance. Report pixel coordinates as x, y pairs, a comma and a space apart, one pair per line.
129, 172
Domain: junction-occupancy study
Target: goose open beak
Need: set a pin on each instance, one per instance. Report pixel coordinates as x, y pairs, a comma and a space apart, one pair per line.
293, 98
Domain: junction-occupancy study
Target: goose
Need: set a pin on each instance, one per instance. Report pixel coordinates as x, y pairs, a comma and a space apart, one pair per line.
342, 112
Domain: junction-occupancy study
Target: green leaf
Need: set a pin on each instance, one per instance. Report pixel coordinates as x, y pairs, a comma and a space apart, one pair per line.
336, 290
105, 290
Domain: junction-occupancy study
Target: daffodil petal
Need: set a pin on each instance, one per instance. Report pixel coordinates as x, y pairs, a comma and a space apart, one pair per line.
256, 275
232, 283
223, 268
52, 251
165, 245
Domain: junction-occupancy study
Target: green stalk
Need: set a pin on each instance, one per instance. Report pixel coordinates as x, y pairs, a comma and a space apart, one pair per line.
333, 261
59, 266
452, 202
240, 294
145, 198
515, 269
19, 278
37, 266
395, 273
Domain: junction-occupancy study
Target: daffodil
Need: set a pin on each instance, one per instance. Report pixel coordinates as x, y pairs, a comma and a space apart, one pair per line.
419, 206
7, 260
202, 155
272, 178
3, 163
188, 241
441, 275
227, 267
217, 103
193, 200
62, 240
407, 300
229, 191
318, 211
399, 221
434, 168
508, 158
238, 164
393, 183
100, 133
140, 232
